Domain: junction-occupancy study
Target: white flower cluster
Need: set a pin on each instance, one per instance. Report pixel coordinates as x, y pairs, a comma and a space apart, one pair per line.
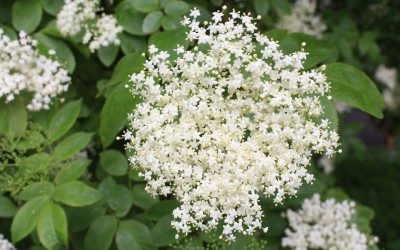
226, 121
388, 76
81, 14
5, 244
303, 19
324, 225
22, 68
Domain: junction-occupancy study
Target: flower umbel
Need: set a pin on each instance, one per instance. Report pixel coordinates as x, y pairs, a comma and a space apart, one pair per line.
77, 15
324, 225
22, 68
226, 121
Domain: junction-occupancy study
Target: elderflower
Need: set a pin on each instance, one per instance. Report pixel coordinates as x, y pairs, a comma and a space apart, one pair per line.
5, 244
77, 15
226, 121
324, 225
303, 19
22, 68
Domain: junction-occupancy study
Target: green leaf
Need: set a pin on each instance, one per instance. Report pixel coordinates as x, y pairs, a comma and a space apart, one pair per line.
108, 54
14, 118
114, 114
120, 200
72, 145
162, 233
329, 112
26, 15
80, 218
36, 189
52, 6
52, 226
169, 40
132, 235
63, 119
34, 162
365, 212
114, 162
176, 8
76, 194
25, 219
282, 6
352, 86
106, 186
171, 22
63, 53
32, 140
146, 6
101, 233
7, 207
152, 22
129, 18
317, 50
8, 31
160, 209
261, 7
129, 64
71, 171
131, 44
141, 198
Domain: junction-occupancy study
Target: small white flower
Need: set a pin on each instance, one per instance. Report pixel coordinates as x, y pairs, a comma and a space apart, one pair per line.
324, 225
219, 126
5, 244
22, 68
303, 19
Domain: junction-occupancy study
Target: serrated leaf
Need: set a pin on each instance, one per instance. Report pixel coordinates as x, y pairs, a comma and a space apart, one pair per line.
152, 22
26, 218
114, 162
14, 118
71, 171
114, 114
80, 218
26, 15
72, 145
171, 22
52, 226
352, 86
35, 190
76, 194
101, 233
131, 44
63, 119
63, 53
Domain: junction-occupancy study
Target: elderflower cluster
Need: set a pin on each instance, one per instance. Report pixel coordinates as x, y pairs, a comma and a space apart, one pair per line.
77, 15
226, 121
324, 225
388, 76
303, 19
22, 68
5, 244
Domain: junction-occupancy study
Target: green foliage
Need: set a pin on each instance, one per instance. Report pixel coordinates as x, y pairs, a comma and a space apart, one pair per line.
65, 182
352, 86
